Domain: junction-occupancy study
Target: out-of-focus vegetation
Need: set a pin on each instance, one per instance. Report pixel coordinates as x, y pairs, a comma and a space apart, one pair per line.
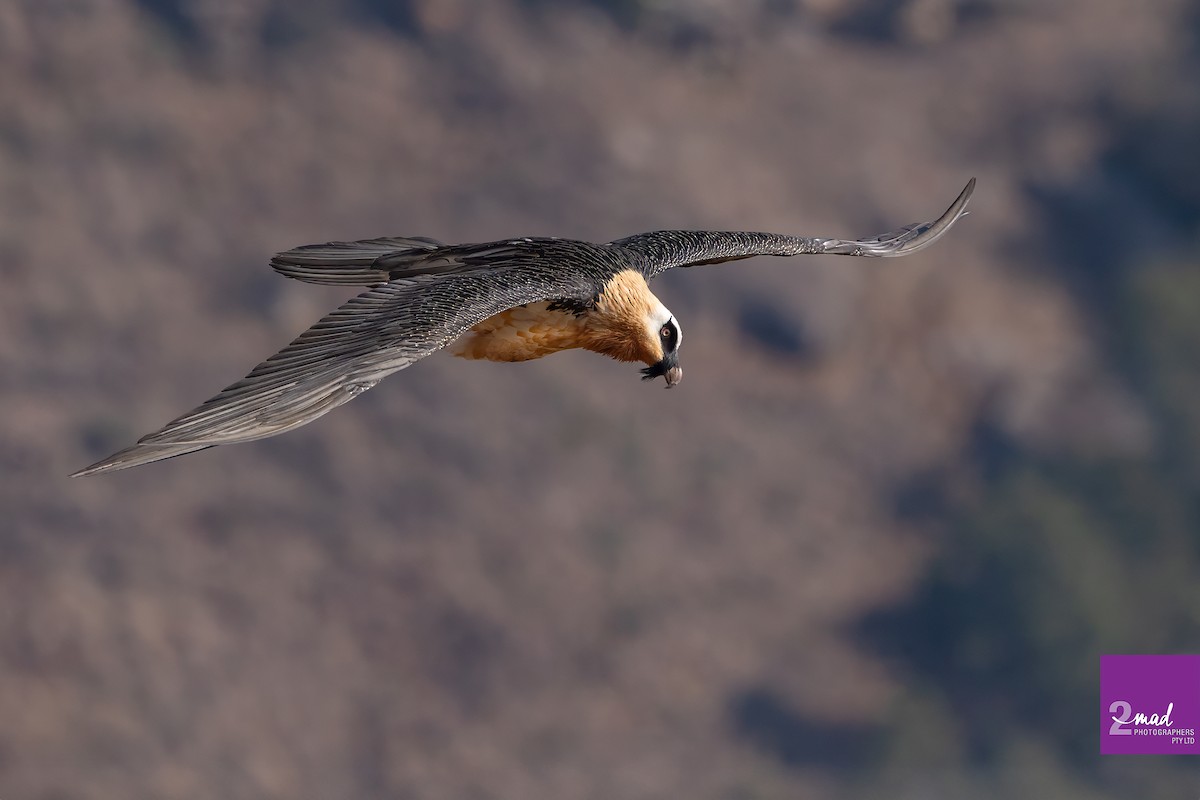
1056, 561
1052, 559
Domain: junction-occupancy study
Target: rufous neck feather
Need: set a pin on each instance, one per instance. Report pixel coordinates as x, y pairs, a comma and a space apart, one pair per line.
621, 326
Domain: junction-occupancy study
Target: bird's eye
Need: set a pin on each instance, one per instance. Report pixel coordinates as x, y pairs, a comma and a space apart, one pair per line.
665, 332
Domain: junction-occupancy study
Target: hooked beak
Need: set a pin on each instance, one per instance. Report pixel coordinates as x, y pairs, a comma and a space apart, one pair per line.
668, 368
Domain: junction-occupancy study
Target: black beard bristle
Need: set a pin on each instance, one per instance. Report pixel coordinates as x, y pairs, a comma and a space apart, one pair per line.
660, 369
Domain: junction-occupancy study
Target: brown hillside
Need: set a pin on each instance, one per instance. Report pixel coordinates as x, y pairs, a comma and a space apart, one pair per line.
541, 580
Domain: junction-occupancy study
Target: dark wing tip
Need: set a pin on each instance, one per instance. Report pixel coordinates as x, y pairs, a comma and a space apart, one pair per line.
909, 239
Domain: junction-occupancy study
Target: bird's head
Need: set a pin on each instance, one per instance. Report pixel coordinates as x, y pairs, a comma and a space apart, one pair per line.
662, 346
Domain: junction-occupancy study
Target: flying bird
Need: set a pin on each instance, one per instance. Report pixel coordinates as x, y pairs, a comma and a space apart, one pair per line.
511, 300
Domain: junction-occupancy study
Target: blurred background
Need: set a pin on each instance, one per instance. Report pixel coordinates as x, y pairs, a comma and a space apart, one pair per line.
871, 547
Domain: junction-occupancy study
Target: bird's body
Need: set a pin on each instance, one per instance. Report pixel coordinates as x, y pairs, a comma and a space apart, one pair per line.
522, 334
510, 300
614, 323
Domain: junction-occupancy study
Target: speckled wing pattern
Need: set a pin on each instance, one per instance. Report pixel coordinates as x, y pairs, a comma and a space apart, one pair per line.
664, 250
381, 331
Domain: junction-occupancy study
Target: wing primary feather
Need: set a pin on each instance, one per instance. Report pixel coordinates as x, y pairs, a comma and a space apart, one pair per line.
908, 239
136, 455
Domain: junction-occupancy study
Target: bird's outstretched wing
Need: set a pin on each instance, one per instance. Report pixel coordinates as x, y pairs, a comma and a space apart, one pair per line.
380, 331
664, 250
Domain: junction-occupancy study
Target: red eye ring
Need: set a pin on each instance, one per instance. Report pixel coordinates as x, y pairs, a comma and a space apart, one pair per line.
665, 332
